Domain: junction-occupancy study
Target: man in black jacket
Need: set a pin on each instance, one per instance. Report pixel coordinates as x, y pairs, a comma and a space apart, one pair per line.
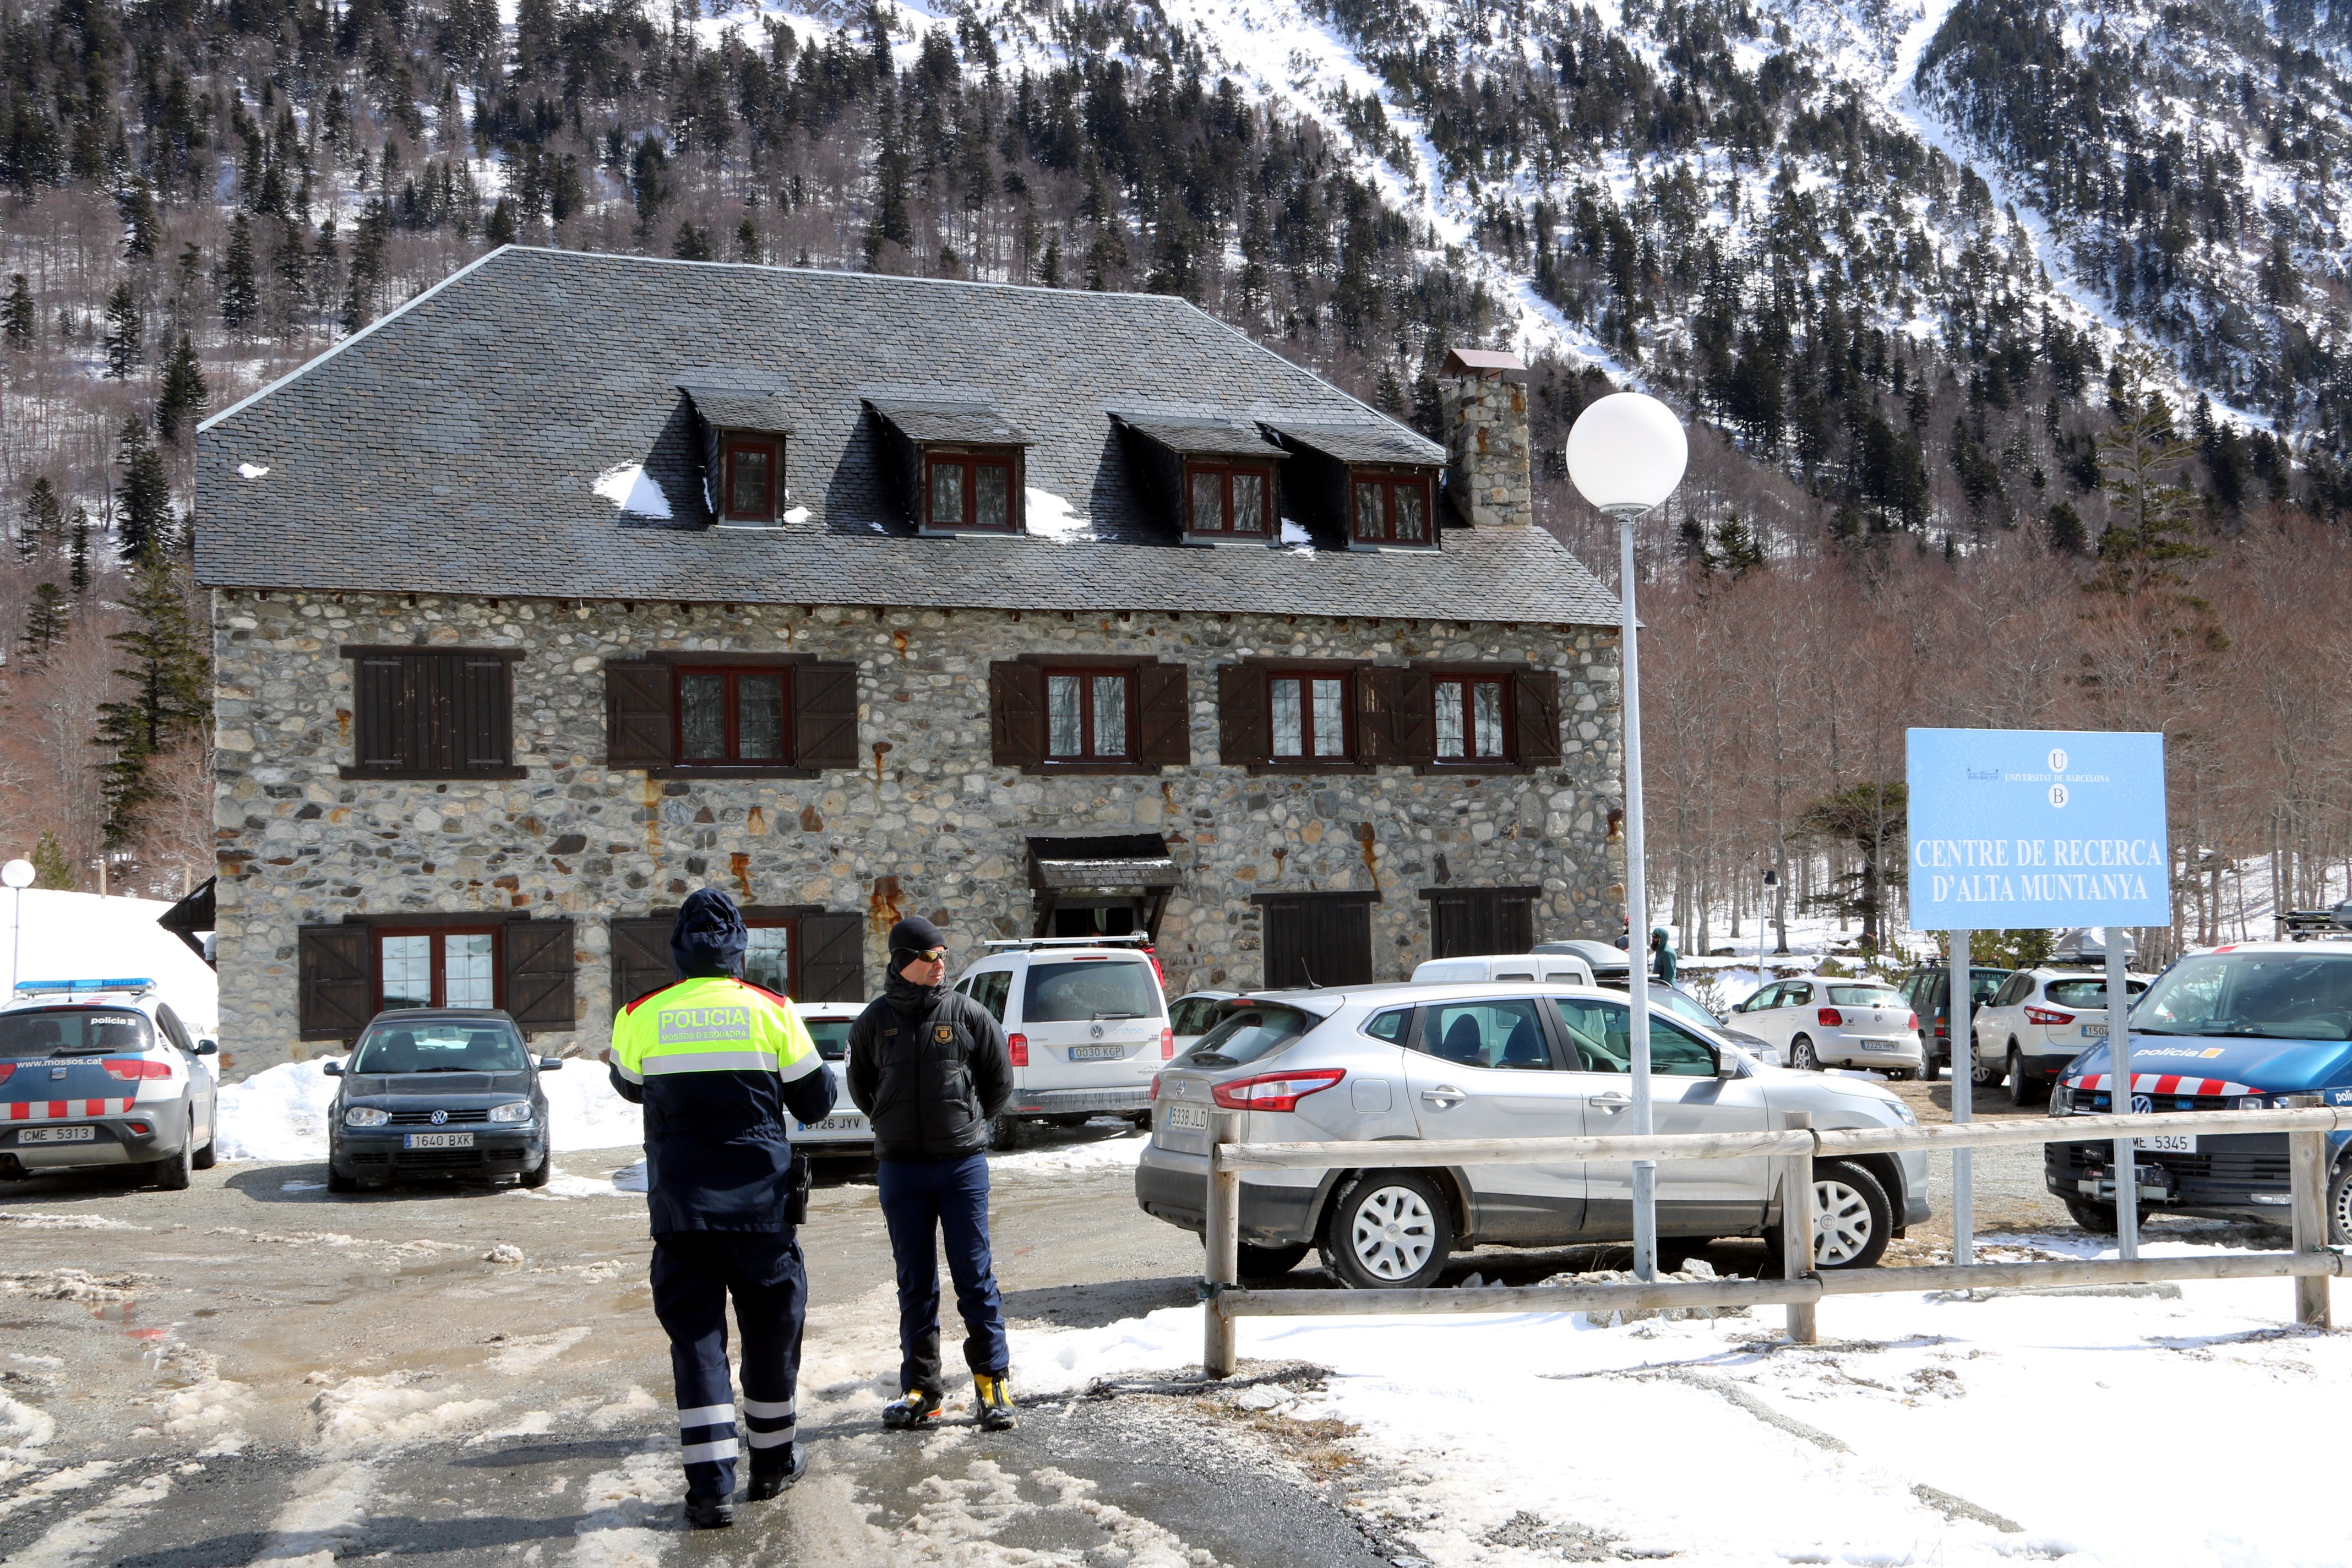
931, 1069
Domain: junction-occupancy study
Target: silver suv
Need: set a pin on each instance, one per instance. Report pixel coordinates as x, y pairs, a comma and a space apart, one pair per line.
102, 1073
1489, 1061
1088, 1024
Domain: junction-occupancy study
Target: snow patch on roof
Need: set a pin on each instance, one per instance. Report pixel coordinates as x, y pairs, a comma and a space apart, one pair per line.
1295, 537
1051, 517
250, 471
627, 487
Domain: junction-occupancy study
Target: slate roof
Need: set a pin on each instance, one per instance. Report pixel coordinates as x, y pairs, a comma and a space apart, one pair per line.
1204, 437
742, 408
937, 418
470, 442
1359, 442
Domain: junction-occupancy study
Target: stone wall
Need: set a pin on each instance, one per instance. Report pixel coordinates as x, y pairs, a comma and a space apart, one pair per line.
300, 844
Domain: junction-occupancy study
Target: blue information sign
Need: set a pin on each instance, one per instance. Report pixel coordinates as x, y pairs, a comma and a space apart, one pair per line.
2037, 828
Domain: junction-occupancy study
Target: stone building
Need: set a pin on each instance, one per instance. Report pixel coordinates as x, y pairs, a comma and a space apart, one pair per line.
584, 581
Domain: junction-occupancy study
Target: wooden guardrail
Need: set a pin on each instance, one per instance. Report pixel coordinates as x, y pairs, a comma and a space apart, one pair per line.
1792, 1148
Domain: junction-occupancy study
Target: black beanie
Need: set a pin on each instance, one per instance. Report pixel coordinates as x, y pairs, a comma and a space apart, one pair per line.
910, 939
709, 938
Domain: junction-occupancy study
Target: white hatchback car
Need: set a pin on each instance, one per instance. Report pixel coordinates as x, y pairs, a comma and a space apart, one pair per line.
2040, 1020
846, 1130
1194, 1014
1087, 1023
103, 1072
1813, 1022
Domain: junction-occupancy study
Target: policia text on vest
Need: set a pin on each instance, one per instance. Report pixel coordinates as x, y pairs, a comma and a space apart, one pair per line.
718, 1064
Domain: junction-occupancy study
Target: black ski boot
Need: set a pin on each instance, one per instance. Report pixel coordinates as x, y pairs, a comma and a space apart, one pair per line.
766, 1483
916, 1407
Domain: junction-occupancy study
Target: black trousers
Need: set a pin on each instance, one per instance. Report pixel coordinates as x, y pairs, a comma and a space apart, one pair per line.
694, 1273
925, 1205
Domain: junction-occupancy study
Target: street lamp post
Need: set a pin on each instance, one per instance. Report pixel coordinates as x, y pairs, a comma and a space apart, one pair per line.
17, 875
1626, 455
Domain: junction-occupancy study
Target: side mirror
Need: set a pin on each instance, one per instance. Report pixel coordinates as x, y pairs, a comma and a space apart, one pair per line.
208, 1048
551, 1064
332, 1068
1727, 1064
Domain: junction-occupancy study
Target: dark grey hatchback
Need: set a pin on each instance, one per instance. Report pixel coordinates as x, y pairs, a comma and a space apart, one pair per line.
445, 1092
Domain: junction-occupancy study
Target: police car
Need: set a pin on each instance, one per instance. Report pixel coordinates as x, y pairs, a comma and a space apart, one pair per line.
2237, 1027
846, 1130
102, 1073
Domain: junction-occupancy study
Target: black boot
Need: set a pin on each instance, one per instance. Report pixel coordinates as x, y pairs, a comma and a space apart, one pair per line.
916, 1407
766, 1483
710, 1512
995, 1400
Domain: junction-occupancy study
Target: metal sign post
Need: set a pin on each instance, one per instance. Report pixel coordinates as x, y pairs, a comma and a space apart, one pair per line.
1637, 926
2038, 828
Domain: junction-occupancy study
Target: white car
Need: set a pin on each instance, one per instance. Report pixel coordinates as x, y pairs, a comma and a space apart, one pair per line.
1087, 1023
1812, 1022
846, 1130
2040, 1020
1194, 1014
1550, 968
102, 1073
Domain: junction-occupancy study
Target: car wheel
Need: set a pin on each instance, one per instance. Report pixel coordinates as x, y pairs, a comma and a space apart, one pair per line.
2339, 1206
205, 1158
1802, 1056
1269, 1263
1853, 1219
1004, 1134
2099, 1219
338, 1183
1388, 1230
537, 1175
1986, 1072
2023, 1089
171, 1174
1930, 1068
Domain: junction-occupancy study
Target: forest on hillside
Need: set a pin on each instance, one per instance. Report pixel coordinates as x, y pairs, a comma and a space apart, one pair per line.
1903, 488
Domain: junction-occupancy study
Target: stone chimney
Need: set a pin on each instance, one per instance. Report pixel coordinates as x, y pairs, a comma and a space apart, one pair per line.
1484, 397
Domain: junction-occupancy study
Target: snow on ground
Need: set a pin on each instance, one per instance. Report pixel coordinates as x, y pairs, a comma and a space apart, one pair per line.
1124, 1149
1521, 1438
56, 935
280, 1113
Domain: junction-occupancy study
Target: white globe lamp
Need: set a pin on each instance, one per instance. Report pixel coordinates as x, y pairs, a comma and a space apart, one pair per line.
17, 874
1627, 453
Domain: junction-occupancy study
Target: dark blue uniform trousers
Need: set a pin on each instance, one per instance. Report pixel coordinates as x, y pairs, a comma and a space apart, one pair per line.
694, 1273
923, 1202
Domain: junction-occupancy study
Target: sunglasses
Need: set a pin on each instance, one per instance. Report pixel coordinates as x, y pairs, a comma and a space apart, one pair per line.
936, 956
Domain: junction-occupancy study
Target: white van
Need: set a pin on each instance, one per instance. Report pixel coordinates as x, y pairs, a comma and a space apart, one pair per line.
1087, 1023
1542, 968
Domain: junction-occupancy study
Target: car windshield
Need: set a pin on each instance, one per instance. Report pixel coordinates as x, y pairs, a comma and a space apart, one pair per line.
1247, 1034
410, 1046
73, 1032
2087, 993
1084, 990
831, 1036
1865, 996
2273, 996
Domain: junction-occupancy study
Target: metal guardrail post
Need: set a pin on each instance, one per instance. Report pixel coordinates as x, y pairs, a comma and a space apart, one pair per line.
2306, 1156
1797, 1227
1224, 1244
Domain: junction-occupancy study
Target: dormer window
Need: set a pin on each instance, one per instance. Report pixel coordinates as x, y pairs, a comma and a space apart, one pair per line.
1230, 500
743, 430
1373, 484
1213, 474
970, 492
1389, 508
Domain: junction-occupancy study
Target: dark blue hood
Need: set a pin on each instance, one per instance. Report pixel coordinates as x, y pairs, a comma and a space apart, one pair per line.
2262, 1066
709, 938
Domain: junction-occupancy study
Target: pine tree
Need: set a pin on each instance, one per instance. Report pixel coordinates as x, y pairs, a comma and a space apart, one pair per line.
18, 319
47, 619
144, 494
240, 290
2067, 535
500, 227
649, 180
78, 563
367, 265
164, 669
181, 404
51, 869
2152, 539
126, 326
43, 520
692, 244
141, 224
747, 242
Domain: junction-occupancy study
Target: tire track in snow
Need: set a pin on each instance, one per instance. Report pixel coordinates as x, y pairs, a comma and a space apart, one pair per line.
76, 1541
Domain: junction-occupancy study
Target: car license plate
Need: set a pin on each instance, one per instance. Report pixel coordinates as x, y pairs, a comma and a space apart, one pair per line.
1096, 1053
1188, 1119
2169, 1143
1885, 1045
835, 1125
438, 1140
2095, 1031
58, 1135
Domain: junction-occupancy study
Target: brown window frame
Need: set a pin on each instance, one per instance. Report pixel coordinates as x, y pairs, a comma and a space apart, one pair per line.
1509, 755
1390, 482
1308, 758
729, 448
970, 460
1087, 757
495, 930
1223, 528
734, 758
788, 924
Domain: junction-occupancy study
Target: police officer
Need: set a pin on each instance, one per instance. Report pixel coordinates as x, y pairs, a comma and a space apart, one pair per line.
932, 1069
718, 1064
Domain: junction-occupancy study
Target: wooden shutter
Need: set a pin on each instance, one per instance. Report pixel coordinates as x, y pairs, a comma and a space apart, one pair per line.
638, 730
539, 965
1163, 704
833, 958
380, 713
1536, 696
641, 961
1316, 939
1515, 923
1453, 925
482, 709
825, 715
1415, 717
1244, 726
1016, 714
1394, 722
336, 981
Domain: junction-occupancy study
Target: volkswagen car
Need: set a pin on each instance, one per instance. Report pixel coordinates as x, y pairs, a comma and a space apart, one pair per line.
438, 1093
